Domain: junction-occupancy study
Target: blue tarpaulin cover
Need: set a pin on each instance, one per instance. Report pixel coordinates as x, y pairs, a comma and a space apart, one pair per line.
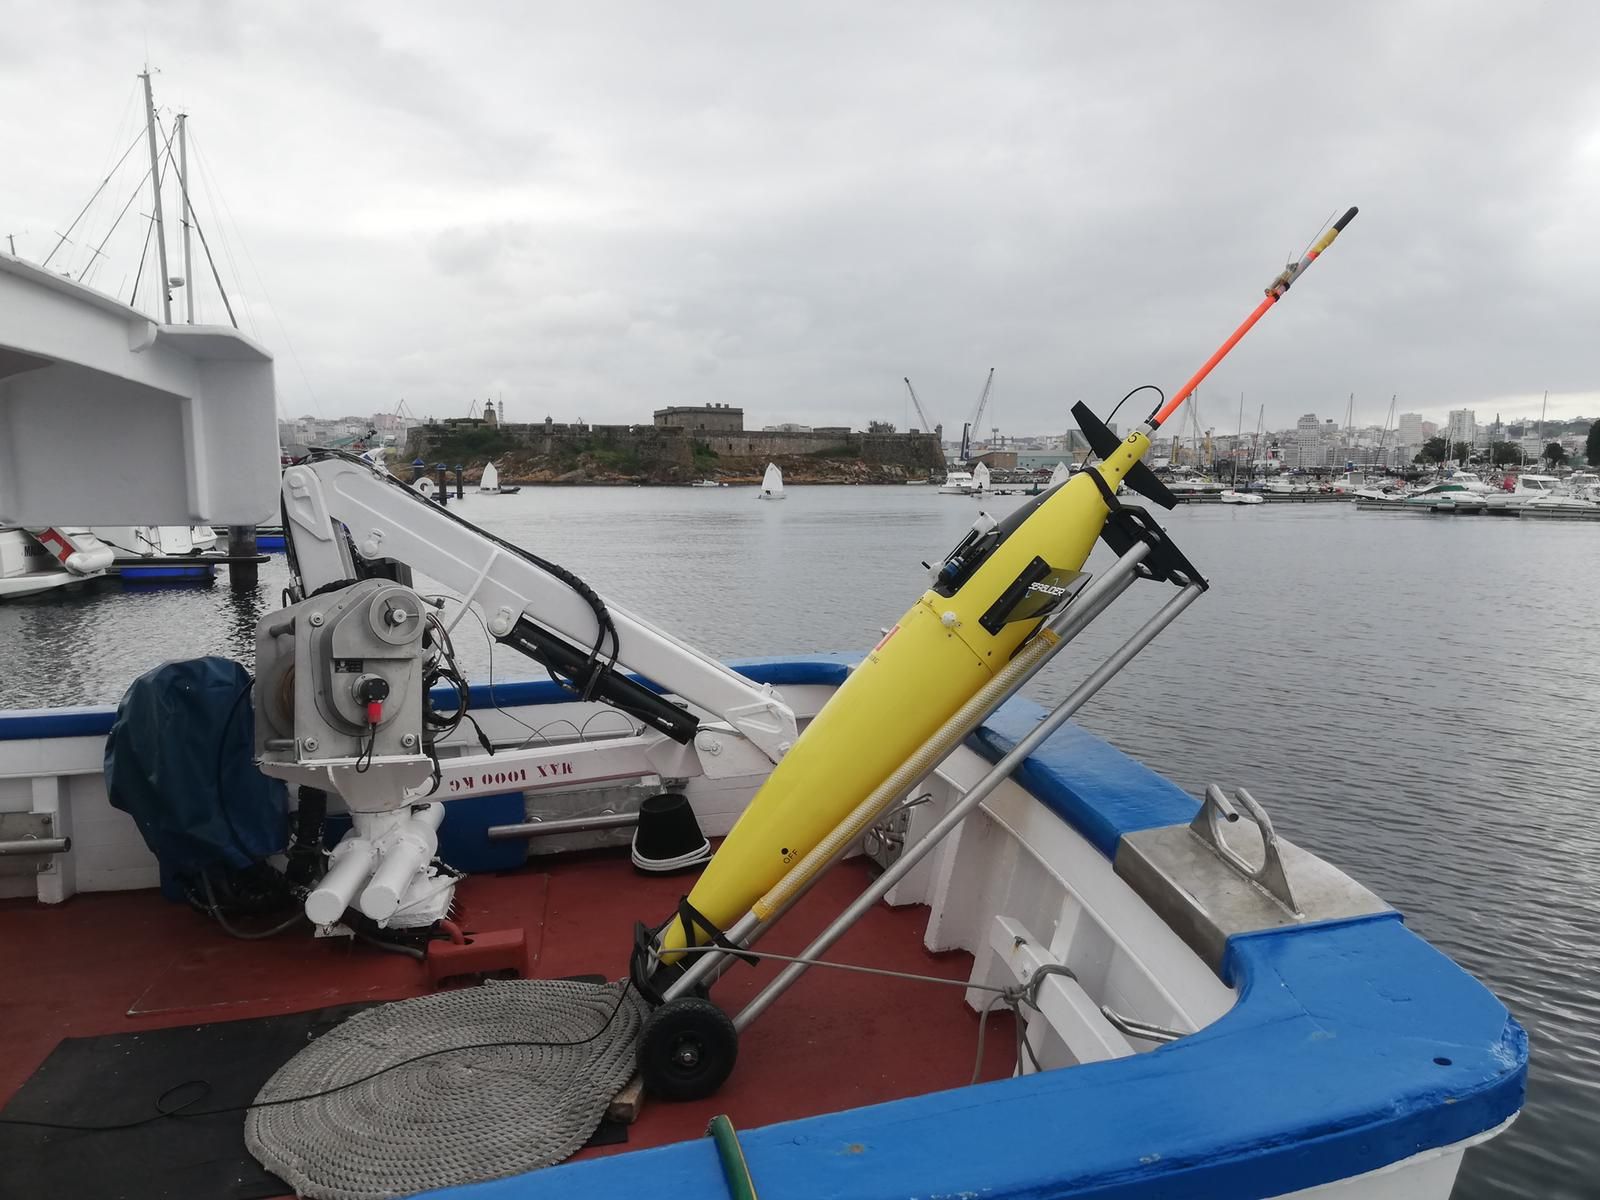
179, 760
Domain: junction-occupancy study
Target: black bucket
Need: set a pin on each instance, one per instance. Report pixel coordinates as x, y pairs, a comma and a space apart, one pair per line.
668, 837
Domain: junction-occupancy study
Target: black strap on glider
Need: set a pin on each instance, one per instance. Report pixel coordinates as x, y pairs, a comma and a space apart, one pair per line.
1105, 443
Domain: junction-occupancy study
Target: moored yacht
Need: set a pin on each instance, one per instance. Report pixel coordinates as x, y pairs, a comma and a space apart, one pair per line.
1450, 496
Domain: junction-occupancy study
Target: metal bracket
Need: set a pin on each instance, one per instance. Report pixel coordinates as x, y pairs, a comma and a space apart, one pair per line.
1270, 874
28, 843
1208, 892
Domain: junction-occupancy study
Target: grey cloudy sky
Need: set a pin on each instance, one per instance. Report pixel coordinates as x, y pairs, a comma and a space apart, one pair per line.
598, 209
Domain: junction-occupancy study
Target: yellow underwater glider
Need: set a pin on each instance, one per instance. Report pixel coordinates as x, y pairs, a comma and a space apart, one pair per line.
989, 598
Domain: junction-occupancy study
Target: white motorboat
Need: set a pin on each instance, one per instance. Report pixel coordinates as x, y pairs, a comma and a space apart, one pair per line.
1229, 496
707, 483
956, 483
27, 568
1470, 480
1187, 482
1537, 491
148, 552
771, 484
1449, 496
129, 543
1285, 487
1585, 485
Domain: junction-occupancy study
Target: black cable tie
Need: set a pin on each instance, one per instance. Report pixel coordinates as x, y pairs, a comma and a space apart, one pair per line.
693, 919
1106, 492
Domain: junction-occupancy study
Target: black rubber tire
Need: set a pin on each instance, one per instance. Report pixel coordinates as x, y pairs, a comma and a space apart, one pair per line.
687, 1049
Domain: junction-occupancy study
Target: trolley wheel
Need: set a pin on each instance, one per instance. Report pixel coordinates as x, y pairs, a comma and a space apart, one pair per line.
687, 1049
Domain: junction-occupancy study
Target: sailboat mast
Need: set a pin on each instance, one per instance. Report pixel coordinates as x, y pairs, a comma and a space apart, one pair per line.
183, 212
1237, 438
155, 187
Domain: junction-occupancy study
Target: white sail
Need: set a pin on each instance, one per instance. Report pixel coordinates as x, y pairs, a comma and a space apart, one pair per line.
1060, 474
491, 479
980, 477
772, 483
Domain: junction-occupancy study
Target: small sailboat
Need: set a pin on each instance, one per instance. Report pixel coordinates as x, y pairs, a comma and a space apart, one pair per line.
772, 483
980, 479
1060, 475
490, 484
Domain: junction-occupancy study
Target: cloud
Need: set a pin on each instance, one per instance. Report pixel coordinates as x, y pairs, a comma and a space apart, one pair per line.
602, 209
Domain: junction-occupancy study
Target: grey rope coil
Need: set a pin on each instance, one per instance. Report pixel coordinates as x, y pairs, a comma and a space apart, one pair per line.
452, 1118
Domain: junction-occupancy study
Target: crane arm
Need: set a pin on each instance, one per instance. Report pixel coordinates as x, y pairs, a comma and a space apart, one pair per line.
927, 423
340, 509
983, 402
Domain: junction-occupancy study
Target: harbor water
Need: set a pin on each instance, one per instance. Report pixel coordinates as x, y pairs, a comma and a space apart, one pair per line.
1413, 698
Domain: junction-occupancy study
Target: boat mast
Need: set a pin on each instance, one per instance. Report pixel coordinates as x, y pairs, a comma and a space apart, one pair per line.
155, 187
1237, 438
183, 212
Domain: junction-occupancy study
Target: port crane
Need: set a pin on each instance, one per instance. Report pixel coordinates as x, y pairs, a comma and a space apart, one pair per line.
928, 425
977, 418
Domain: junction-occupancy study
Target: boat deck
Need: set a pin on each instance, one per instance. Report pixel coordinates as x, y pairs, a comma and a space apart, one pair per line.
132, 961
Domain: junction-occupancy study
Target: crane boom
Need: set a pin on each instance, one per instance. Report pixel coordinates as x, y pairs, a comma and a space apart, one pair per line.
927, 423
983, 401
973, 426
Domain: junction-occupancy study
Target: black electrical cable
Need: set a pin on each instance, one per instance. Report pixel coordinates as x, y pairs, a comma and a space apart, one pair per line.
179, 1111
364, 759
1142, 387
255, 935
595, 670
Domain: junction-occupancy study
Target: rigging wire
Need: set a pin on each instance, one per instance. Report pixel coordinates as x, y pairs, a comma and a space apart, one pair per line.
223, 205
83, 276
64, 236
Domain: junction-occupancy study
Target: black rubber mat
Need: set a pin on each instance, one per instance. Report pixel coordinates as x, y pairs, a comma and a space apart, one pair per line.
118, 1078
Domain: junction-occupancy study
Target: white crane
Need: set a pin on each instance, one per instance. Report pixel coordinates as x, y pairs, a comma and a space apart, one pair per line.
928, 425
977, 417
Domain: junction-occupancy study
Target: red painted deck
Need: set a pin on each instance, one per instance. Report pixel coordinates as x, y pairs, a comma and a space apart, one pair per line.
115, 962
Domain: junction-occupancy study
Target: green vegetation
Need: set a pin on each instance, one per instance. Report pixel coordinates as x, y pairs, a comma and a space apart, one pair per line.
1434, 450
624, 461
704, 456
462, 444
1554, 454
1591, 448
1463, 452
1505, 454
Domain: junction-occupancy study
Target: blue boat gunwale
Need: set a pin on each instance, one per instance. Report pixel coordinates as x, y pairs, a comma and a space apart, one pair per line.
1353, 1045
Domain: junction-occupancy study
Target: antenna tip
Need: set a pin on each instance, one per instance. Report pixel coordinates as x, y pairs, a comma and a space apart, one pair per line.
1346, 219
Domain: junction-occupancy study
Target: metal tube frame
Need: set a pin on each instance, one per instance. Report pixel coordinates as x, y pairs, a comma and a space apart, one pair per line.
533, 829
1067, 625
974, 796
33, 846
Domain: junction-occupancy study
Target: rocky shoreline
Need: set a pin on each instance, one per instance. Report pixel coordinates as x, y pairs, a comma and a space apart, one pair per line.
533, 470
